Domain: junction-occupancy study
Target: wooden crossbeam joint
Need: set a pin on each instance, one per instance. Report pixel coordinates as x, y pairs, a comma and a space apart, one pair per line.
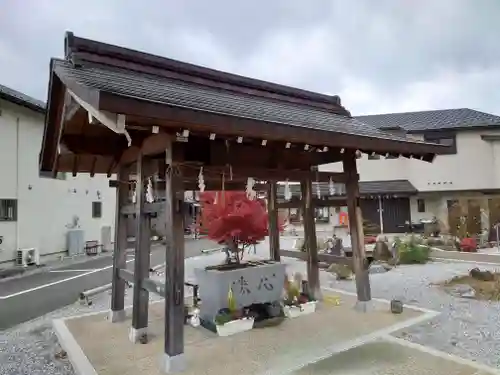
150, 209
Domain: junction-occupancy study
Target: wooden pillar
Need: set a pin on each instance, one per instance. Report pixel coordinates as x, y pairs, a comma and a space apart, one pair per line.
272, 208
360, 264
117, 312
310, 238
173, 358
142, 252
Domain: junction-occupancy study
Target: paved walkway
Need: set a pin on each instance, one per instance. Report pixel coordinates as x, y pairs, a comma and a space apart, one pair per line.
273, 350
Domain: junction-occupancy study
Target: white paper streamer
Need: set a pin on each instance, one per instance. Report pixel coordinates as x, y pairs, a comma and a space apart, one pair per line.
201, 181
331, 187
287, 193
134, 194
251, 193
149, 192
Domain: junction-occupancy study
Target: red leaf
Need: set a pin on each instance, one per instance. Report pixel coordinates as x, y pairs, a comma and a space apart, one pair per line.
227, 215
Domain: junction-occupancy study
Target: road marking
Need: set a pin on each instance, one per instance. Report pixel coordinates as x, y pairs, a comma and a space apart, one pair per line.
66, 271
57, 282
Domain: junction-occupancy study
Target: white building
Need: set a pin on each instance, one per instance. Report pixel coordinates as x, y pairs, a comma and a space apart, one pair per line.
465, 183
37, 211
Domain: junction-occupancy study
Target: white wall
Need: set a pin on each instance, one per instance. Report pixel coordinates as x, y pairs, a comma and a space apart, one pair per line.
45, 206
475, 166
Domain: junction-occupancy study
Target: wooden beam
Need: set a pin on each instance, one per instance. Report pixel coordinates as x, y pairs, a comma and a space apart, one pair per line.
272, 209
119, 252
310, 238
156, 143
273, 155
95, 145
71, 107
326, 258
149, 285
356, 229
263, 174
173, 359
151, 209
141, 263
210, 122
329, 202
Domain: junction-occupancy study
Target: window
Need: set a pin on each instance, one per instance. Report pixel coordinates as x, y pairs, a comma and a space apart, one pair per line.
445, 139
8, 209
96, 210
421, 205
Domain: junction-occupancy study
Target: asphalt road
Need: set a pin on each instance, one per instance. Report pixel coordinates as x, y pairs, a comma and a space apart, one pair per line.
31, 296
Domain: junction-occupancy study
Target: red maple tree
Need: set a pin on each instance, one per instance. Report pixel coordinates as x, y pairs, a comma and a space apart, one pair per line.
230, 218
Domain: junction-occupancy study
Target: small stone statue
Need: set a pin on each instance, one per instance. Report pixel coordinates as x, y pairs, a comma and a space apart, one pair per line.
194, 319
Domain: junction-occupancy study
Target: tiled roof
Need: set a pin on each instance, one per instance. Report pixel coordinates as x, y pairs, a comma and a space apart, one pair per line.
460, 118
365, 188
19, 98
204, 98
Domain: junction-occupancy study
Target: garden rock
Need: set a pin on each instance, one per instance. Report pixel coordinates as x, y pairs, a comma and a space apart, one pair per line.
463, 291
377, 268
323, 265
477, 274
381, 251
342, 271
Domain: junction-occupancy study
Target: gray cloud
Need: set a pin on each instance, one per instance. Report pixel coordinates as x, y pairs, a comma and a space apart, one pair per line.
384, 55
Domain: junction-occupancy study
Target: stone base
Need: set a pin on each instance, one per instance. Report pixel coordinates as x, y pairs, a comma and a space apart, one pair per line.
171, 365
117, 316
135, 334
364, 306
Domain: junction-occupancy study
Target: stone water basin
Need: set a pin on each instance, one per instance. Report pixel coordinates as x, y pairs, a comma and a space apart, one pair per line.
252, 283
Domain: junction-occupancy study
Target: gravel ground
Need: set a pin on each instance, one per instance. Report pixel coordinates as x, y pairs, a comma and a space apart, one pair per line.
467, 328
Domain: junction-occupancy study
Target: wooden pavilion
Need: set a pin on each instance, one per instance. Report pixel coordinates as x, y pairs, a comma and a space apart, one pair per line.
116, 111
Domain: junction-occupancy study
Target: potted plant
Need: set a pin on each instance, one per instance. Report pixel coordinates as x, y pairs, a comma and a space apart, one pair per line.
297, 302
232, 320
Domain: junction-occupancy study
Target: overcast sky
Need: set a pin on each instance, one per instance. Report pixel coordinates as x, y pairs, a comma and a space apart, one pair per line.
378, 55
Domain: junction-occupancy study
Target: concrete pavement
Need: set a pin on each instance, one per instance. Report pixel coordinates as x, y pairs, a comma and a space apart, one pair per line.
31, 296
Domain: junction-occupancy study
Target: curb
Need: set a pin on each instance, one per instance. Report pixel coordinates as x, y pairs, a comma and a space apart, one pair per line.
76, 356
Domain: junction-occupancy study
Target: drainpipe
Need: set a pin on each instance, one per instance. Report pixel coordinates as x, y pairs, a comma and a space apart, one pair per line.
17, 184
380, 214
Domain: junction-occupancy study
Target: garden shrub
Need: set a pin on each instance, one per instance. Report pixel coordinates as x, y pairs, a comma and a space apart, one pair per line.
412, 252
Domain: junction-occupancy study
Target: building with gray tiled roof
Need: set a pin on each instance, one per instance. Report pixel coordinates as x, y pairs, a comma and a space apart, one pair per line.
466, 182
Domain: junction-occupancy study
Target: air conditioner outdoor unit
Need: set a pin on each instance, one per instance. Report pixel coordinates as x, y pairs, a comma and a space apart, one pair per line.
28, 257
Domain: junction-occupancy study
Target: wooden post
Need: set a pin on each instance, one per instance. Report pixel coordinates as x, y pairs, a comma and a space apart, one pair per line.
310, 238
173, 358
117, 312
142, 252
360, 264
274, 235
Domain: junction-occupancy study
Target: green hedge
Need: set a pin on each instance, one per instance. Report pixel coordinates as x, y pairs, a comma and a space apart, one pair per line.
412, 251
